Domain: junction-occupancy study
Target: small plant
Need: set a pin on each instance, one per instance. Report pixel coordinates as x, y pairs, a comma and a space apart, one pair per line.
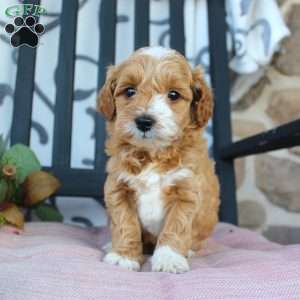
24, 185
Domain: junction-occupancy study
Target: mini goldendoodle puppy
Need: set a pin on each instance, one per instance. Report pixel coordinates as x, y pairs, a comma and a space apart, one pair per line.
161, 188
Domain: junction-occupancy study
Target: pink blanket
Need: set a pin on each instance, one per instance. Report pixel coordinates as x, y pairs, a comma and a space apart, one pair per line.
61, 262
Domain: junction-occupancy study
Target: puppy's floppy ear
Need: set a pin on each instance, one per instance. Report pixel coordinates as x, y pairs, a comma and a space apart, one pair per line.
202, 104
105, 101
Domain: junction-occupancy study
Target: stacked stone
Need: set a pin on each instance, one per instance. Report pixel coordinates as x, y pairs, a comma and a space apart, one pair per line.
269, 184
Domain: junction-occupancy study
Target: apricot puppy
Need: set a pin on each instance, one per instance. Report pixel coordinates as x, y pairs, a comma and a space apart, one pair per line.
161, 187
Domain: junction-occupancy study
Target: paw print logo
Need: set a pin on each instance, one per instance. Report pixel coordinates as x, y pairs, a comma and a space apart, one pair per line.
24, 32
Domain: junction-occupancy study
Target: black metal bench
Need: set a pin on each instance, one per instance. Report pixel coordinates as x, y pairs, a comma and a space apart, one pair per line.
84, 182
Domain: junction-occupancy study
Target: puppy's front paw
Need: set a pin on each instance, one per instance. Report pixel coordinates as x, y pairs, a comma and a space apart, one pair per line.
165, 259
114, 258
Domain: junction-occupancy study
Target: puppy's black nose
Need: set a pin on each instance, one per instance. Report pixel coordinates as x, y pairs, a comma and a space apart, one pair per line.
144, 122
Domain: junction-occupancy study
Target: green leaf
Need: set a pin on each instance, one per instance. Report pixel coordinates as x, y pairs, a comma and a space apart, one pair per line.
23, 159
19, 196
3, 190
7, 190
48, 213
11, 192
2, 145
2, 219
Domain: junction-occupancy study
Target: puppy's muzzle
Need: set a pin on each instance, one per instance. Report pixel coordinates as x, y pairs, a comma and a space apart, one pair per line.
144, 123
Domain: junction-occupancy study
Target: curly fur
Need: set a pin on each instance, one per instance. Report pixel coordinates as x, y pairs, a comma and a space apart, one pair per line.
190, 201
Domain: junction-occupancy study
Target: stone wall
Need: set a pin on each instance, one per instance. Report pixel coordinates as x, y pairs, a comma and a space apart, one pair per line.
269, 184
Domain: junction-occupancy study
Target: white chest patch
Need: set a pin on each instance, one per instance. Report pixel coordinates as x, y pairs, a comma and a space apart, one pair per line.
148, 186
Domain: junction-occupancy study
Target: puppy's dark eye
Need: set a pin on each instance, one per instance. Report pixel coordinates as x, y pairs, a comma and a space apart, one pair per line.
173, 95
129, 92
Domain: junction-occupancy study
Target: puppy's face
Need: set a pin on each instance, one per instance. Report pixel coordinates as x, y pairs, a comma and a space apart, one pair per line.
153, 96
